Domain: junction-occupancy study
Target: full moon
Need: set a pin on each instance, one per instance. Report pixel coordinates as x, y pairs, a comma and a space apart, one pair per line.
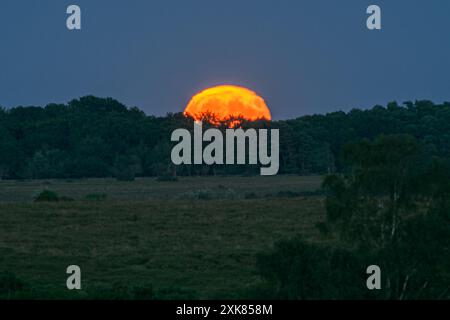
228, 101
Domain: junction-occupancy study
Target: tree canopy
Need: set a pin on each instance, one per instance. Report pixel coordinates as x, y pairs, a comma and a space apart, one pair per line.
97, 137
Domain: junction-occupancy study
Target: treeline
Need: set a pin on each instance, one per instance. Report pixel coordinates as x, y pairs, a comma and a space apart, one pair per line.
96, 137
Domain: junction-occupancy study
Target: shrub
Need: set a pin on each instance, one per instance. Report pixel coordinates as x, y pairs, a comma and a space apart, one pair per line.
96, 196
323, 228
296, 269
47, 196
51, 196
250, 195
10, 284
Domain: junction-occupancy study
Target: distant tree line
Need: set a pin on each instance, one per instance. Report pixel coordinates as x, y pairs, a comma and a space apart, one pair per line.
96, 137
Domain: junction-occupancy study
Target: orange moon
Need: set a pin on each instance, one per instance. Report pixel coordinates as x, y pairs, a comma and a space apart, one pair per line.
228, 101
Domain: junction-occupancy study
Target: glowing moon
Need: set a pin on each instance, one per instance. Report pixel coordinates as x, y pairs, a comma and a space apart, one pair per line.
228, 101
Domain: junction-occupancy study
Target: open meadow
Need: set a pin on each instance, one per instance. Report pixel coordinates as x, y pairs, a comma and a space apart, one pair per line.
194, 238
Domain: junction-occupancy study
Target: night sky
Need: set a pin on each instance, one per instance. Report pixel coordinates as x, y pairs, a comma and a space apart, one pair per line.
302, 57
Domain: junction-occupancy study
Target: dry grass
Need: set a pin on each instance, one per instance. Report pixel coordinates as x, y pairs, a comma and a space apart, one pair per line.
207, 247
149, 188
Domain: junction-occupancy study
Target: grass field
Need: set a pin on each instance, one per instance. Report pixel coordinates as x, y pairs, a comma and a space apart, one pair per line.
197, 236
149, 189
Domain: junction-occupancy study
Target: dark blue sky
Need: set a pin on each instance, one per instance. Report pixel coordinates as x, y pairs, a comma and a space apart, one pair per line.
303, 57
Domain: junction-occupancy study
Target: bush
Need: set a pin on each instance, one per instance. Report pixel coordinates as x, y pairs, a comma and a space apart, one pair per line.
51, 196
296, 269
10, 284
96, 196
414, 265
323, 228
47, 196
250, 195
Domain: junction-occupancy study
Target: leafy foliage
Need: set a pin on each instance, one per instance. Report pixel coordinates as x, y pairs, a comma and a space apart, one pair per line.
47, 196
10, 284
300, 270
391, 208
95, 137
